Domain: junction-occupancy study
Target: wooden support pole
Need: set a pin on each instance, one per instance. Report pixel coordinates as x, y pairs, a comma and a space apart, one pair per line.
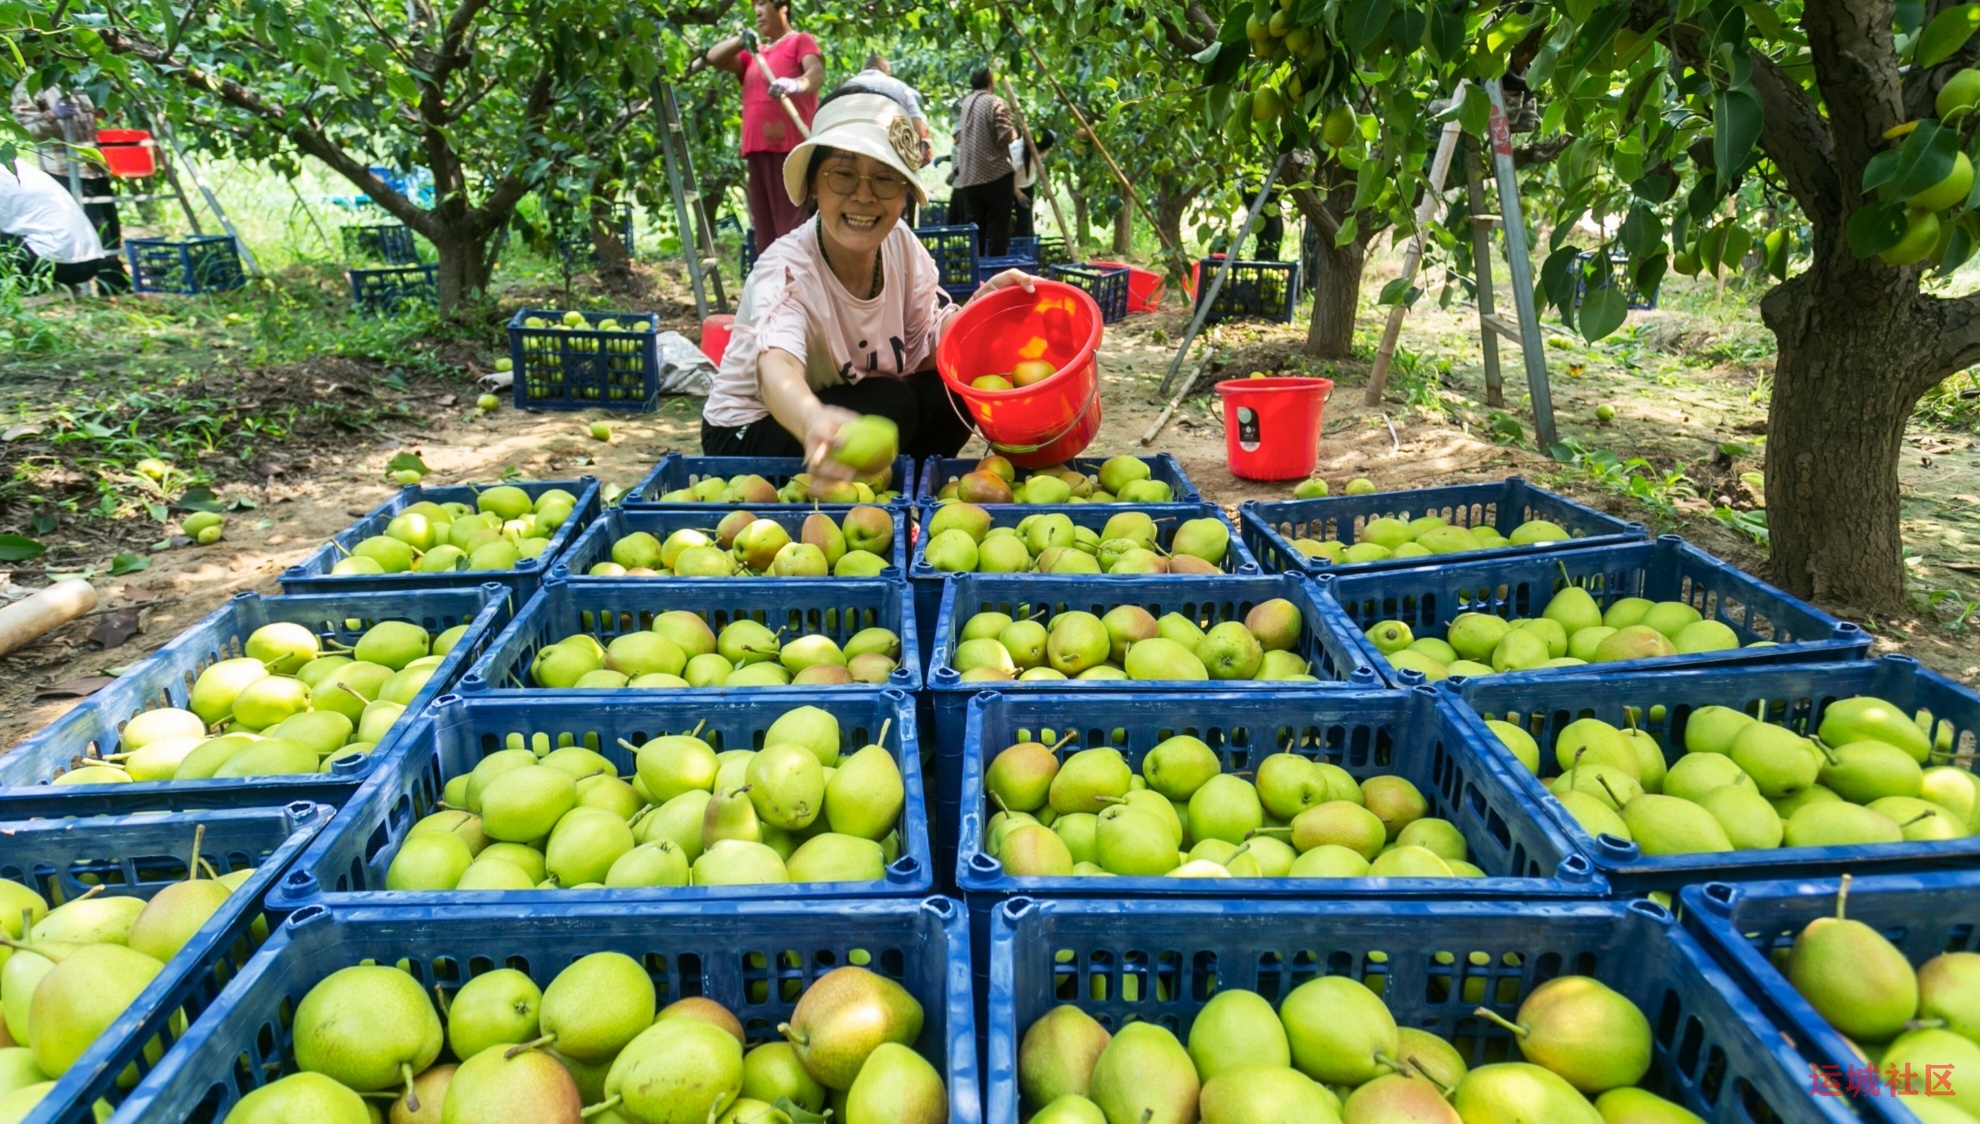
1043, 182
34, 616
1433, 193
1481, 265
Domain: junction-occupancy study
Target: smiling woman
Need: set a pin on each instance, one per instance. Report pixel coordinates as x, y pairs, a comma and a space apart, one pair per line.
841, 316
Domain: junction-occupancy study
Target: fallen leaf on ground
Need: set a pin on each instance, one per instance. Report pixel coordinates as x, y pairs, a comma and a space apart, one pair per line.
75, 688
115, 628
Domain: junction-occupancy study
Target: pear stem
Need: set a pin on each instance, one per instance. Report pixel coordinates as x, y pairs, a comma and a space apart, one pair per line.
606, 1105
1417, 1069
696, 732
1061, 743
1604, 782
1842, 897
192, 864
796, 1037
525, 1047
412, 1098
1269, 831
884, 727
210, 872
440, 1000
1492, 1016
626, 745
24, 946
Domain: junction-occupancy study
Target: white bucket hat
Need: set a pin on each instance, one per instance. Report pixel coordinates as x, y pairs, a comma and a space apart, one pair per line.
869, 124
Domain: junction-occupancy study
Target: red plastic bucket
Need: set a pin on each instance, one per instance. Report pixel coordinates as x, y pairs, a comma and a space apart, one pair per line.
1053, 419
1272, 426
128, 153
1144, 286
715, 336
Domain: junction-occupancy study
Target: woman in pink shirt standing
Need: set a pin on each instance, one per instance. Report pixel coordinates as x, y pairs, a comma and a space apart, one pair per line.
768, 133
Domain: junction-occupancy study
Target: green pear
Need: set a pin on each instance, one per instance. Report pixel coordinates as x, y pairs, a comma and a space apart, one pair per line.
1519, 650
496, 1008
1474, 636
772, 1072
429, 861
1057, 1055
523, 804
1440, 837
1780, 761
1574, 609
80, 997
1519, 1093
584, 844
1288, 784
301, 1096
1813, 794
738, 862
1069, 1109
1626, 611
897, 1086
1394, 801
1607, 783
676, 1071
1225, 807
174, 915
102, 918
1867, 771
1409, 862
1145, 1076
1591, 1035
1243, 1094
1595, 815
1871, 719
787, 786
1020, 777
1078, 641
1919, 819
597, 1005
1127, 625
1129, 841
1340, 1032
1640, 1106
1636, 642
675, 763
1949, 990
1398, 1097
1839, 824
502, 1083
1426, 1055
843, 1017
1032, 850
1519, 742
1591, 741
1852, 976
1748, 818
832, 857
1923, 1053
1669, 825
17, 1069
368, 1027
1340, 823
1696, 774
1954, 789
1237, 1028
213, 693
865, 795
1179, 629
661, 863
1088, 780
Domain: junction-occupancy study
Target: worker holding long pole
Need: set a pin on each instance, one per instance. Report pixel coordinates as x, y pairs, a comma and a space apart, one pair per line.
781, 70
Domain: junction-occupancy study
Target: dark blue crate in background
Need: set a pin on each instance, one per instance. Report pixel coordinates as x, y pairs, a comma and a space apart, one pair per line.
1107, 287
348, 867
558, 368
1433, 964
755, 958
1262, 289
610, 608
683, 470
394, 290
928, 580
1667, 568
1334, 656
312, 574
595, 544
954, 251
1052, 251
935, 213
578, 248
138, 856
938, 471
165, 678
1796, 695
1588, 274
1270, 526
1745, 924
989, 266
388, 242
185, 264
1413, 735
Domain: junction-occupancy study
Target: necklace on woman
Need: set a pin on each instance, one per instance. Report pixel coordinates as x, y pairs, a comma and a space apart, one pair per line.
877, 259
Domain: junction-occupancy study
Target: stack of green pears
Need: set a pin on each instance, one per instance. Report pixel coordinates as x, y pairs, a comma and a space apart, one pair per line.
1121, 479
875, 487
743, 544
1333, 1054
1184, 817
1571, 631
1130, 642
961, 539
509, 1052
680, 650
287, 706
1428, 535
1921, 1027
1872, 774
542, 818
504, 527
68, 973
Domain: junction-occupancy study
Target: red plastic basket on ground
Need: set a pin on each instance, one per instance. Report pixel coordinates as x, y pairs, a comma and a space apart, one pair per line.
1144, 285
130, 153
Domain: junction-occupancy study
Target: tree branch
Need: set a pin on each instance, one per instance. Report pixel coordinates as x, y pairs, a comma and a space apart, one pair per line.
1954, 327
1856, 69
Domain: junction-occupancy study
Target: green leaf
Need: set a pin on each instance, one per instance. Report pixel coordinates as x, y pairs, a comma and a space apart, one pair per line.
127, 563
1879, 169
19, 548
405, 461
1925, 158
1736, 122
1876, 228
200, 499
1233, 30
1444, 35
1946, 34
1959, 247
1557, 277
1364, 22
1399, 291
1602, 312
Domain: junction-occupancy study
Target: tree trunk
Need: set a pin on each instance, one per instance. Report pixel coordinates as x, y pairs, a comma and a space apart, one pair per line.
1846, 380
1080, 217
1336, 298
1169, 208
463, 267
1124, 229
614, 264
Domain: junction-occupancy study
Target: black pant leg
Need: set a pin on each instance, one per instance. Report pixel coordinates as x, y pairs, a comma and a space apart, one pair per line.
102, 216
944, 427
993, 215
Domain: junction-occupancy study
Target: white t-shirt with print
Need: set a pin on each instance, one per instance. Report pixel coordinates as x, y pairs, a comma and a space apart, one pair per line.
794, 302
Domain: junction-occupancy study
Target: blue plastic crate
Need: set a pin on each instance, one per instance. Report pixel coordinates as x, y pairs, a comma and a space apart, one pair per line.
1263, 289
989, 265
753, 957
394, 290
595, 544
1107, 287
1270, 526
1745, 924
1667, 568
1794, 695
580, 248
954, 251
577, 369
1588, 274
935, 213
348, 868
185, 264
1433, 963
928, 580
747, 255
1335, 657
938, 471
388, 242
681, 470
609, 608
138, 856
165, 678
1052, 251
312, 574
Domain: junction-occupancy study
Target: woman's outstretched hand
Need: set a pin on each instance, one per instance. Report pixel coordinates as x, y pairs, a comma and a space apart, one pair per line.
821, 427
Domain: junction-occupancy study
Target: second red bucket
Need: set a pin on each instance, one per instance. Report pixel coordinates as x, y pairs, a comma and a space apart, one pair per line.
1272, 425
1049, 421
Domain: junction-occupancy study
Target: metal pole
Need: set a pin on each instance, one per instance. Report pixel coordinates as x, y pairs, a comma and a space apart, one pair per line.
311, 216
697, 204
669, 133
1209, 298
1043, 182
1530, 342
212, 201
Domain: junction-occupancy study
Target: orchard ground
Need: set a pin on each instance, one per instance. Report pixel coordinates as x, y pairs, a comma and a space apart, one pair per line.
290, 410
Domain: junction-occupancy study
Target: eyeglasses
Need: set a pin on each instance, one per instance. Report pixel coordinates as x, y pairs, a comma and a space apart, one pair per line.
845, 181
